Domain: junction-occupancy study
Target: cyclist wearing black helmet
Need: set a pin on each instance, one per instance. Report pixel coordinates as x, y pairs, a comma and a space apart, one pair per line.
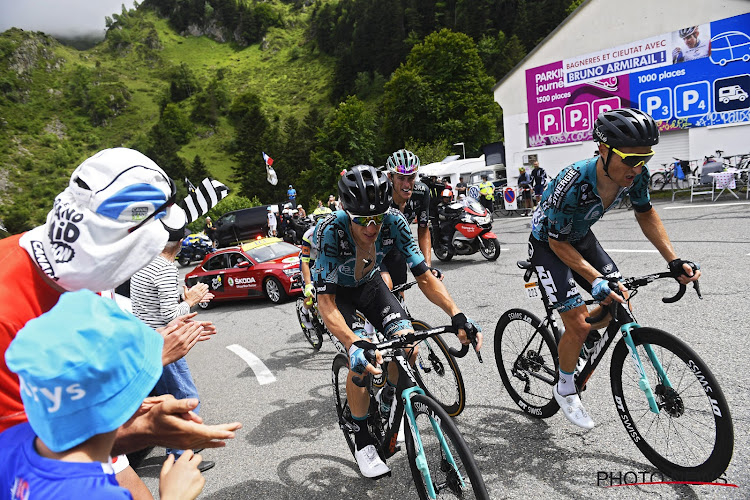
565, 251
351, 244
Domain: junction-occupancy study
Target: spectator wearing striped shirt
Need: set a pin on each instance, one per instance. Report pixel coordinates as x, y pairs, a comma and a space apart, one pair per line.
155, 297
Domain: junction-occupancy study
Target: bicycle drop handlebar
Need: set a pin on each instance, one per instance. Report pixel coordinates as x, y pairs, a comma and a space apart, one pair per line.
637, 282
402, 341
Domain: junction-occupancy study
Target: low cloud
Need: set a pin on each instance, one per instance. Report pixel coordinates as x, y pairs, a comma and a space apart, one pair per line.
59, 17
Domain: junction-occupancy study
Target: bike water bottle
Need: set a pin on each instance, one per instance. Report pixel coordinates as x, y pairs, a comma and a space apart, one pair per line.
385, 398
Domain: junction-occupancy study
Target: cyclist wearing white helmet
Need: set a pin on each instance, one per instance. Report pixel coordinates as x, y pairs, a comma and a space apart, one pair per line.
563, 248
412, 198
696, 48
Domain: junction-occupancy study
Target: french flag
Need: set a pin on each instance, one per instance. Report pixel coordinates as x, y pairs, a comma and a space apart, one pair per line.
267, 159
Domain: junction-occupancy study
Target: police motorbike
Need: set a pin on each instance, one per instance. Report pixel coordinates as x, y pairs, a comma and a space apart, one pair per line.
470, 230
194, 247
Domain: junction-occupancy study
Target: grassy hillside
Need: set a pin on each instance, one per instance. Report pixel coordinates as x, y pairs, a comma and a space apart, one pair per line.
46, 131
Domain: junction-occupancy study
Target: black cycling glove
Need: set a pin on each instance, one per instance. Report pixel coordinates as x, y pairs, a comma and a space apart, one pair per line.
438, 273
675, 267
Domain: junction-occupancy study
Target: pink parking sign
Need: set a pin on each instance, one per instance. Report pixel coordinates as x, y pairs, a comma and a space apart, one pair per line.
560, 114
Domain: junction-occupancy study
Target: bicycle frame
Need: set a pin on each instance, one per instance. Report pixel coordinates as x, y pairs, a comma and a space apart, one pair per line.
393, 351
623, 321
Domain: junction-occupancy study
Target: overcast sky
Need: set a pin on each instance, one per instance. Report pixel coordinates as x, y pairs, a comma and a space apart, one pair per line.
59, 17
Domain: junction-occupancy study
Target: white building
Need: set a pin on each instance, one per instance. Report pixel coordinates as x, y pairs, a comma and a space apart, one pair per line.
610, 52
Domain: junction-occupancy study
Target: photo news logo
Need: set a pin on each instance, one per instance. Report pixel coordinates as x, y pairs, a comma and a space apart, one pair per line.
609, 479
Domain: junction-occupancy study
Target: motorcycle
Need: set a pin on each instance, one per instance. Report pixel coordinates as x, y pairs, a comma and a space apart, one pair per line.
194, 247
471, 231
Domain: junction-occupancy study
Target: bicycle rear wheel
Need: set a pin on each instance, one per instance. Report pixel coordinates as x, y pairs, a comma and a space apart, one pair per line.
460, 481
438, 374
657, 182
526, 357
312, 335
692, 436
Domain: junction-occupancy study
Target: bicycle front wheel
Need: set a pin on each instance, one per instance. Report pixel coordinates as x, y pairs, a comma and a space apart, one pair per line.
453, 473
438, 374
526, 357
692, 436
313, 336
657, 182
340, 371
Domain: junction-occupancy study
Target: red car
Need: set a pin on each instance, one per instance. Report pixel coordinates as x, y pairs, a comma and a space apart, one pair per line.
266, 267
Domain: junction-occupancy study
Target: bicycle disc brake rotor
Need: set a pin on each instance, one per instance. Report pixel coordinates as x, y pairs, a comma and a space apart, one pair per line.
670, 400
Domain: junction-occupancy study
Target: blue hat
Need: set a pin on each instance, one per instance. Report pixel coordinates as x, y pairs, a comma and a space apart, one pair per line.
84, 367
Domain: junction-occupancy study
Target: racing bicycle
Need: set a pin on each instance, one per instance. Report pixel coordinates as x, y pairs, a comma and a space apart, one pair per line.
442, 465
669, 402
437, 370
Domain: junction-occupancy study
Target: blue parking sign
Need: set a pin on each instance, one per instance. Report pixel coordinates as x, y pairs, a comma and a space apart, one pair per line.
692, 99
657, 103
731, 94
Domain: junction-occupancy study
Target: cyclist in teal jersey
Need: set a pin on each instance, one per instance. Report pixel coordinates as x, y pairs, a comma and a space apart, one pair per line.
351, 244
565, 251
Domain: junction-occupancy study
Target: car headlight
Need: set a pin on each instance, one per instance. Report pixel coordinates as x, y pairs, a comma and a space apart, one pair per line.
291, 271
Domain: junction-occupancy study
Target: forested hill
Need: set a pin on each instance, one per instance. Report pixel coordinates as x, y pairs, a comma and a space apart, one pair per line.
207, 85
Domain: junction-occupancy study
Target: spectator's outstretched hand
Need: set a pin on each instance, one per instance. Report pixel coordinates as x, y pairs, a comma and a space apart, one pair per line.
181, 479
179, 338
196, 294
171, 423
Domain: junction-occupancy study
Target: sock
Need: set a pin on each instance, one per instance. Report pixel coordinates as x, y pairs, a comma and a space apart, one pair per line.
566, 385
362, 436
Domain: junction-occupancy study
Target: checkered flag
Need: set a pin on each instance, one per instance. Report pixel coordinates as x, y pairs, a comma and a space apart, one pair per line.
203, 198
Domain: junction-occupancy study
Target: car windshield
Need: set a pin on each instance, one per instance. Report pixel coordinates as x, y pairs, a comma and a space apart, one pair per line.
273, 251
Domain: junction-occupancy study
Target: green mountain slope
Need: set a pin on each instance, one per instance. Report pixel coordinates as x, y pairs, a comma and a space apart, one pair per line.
59, 105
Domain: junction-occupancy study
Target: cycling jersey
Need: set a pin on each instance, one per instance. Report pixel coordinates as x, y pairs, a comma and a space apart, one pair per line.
418, 206
308, 253
337, 250
570, 204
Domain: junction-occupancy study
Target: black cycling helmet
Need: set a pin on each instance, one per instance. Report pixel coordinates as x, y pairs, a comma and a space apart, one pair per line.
364, 190
627, 127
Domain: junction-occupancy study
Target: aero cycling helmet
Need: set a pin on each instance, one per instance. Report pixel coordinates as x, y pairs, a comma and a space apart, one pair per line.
686, 32
363, 190
403, 162
627, 127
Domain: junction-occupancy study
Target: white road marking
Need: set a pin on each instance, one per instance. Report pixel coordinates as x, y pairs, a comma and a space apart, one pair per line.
681, 207
262, 373
625, 250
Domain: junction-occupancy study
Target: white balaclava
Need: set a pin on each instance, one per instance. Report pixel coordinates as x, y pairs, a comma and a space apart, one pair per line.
85, 242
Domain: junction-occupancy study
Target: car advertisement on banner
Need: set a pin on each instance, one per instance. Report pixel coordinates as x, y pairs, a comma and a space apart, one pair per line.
694, 77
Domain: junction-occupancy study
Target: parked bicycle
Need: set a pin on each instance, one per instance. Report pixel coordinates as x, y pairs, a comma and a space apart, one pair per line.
437, 371
442, 465
499, 208
670, 404
673, 175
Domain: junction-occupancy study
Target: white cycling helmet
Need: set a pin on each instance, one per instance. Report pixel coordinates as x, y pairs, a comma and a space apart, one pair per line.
403, 162
686, 32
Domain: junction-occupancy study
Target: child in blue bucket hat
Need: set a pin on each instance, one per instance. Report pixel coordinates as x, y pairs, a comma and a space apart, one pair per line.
84, 369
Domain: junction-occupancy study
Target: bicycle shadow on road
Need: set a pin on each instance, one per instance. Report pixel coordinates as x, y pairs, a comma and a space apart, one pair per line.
520, 457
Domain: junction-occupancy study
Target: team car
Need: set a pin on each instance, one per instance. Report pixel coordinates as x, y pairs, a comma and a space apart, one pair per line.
267, 267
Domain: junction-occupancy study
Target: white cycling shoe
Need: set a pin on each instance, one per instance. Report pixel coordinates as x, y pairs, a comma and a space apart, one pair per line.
370, 464
573, 409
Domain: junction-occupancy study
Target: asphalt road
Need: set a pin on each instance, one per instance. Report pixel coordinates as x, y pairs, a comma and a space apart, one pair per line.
290, 446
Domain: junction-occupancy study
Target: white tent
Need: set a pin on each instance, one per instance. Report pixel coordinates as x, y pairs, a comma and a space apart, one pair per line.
454, 168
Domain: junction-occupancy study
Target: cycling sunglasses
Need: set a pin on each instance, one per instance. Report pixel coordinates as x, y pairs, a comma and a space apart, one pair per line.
162, 208
366, 220
633, 159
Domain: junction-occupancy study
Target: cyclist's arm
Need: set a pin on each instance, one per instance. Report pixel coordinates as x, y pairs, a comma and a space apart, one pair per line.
334, 320
425, 244
654, 230
436, 293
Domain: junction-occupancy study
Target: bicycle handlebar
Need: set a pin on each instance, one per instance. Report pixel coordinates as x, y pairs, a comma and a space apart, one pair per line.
637, 282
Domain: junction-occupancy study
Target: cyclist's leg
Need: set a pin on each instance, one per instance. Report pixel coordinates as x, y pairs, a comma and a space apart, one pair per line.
387, 315
591, 250
359, 399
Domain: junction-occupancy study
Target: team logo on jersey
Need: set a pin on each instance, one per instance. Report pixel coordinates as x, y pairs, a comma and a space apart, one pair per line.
587, 194
562, 187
